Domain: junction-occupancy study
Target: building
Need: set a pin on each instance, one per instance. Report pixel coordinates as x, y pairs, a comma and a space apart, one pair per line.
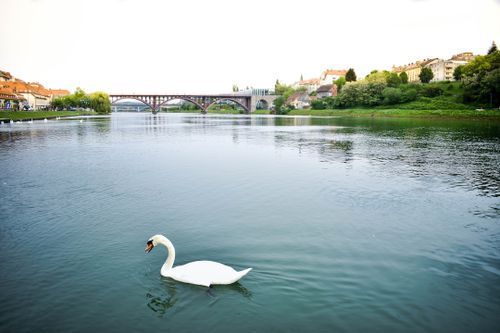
9, 100
34, 95
330, 75
309, 85
299, 100
413, 70
327, 90
442, 69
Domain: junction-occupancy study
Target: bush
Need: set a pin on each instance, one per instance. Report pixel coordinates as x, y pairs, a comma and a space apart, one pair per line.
432, 91
318, 104
392, 95
409, 95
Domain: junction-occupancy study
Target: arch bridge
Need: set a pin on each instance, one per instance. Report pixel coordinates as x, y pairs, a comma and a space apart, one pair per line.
249, 103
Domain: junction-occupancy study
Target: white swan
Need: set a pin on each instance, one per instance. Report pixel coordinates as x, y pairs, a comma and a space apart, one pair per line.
203, 273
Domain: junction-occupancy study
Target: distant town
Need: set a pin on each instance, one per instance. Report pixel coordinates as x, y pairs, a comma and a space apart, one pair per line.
17, 94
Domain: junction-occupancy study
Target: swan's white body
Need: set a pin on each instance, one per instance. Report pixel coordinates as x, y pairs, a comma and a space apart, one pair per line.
203, 273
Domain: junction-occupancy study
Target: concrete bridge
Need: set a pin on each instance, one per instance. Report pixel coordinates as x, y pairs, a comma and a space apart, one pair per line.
249, 102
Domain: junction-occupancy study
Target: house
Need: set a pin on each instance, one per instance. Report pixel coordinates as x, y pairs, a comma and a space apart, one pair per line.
299, 100
327, 90
443, 69
309, 85
330, 75
413, 70
35, 94
9, 99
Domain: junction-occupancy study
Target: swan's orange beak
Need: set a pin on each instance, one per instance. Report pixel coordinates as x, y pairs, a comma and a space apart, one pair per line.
149, 247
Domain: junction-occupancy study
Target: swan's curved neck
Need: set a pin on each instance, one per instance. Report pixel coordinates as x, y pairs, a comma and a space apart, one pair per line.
169, 263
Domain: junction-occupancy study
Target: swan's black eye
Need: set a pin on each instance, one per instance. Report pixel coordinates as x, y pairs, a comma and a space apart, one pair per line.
150, 242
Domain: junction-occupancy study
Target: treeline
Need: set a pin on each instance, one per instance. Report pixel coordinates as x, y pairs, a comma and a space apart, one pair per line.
97, 101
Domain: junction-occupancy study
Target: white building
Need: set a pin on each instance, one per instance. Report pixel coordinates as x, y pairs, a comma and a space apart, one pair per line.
330, 75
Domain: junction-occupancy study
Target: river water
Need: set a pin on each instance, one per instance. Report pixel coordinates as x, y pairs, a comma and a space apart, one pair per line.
350, 225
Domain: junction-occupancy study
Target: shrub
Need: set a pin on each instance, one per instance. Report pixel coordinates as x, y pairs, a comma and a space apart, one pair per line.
391, 95
318, 104
432, 91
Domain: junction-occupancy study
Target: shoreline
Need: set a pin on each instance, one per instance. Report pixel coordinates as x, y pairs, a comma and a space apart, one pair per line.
7, 116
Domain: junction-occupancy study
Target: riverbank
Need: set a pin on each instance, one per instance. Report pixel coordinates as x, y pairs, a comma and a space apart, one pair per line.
37, 115
403, 113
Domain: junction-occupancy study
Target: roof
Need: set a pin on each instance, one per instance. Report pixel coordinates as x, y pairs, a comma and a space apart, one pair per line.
301, 96
308, 82
339, 72
325, 88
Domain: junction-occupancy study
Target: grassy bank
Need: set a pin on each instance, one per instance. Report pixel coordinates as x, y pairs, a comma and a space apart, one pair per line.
28, 115
409, 113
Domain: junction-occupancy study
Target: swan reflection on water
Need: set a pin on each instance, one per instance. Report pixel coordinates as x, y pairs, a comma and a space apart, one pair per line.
161, 301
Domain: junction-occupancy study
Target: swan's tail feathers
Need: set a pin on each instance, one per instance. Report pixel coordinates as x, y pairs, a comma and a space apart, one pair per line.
242, 273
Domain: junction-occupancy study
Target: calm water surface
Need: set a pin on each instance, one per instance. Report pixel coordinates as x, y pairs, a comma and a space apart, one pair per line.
351, 225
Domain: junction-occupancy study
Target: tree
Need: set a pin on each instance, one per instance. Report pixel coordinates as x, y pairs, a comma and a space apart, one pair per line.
481, 79
393, 80
457, 73
99, 101
426, 75
350, 76
276, 86
235, 88
340, 82
278, 104
493, 48
404, 77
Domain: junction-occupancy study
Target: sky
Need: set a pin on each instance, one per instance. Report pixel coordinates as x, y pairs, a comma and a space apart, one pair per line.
206, 46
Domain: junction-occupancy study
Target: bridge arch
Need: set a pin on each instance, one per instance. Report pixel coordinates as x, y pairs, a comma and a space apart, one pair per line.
114, 100
218, 100
262, 104
187, 99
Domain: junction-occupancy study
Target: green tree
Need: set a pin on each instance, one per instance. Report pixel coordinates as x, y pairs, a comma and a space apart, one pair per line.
457, 73
99, 101
480, 78
493, 48
393, 80
340, 82
392, 95
404, 77
350, 76
278, 104
426, 75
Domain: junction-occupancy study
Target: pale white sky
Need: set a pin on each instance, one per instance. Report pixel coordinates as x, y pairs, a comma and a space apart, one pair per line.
200, 46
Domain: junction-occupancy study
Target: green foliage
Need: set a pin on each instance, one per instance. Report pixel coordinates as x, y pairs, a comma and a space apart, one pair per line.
481, 79
426, 75
392, 95
98, 101
350, 76
361, 94
279, 104
340, 82
431, 91
318, 104
457, 73
393, 80
377, 77
404, 77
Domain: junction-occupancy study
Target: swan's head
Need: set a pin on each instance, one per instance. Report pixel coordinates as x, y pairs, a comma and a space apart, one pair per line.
152, 242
